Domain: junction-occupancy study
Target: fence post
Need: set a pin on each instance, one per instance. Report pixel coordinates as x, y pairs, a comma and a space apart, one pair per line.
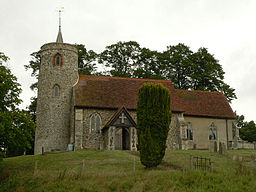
83, 166
133, 163
35, 170
191, 162
211, 162
253, 160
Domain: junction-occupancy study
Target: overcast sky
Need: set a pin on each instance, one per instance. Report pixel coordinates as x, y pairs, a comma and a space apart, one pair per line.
225, 27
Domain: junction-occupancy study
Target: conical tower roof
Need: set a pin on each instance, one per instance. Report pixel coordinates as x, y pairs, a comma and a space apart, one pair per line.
59, 37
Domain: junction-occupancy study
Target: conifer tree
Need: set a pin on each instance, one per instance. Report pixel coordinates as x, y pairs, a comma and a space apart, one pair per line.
153, 120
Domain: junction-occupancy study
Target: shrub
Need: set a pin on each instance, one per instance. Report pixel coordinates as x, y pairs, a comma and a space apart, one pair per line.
153, 119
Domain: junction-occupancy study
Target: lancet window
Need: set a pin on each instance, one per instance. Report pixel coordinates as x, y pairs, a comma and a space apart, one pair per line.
95, 123
57, 60
56, 90
189, 131
212, 132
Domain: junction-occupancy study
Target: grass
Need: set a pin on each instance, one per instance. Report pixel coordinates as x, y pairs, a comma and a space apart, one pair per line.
114, 171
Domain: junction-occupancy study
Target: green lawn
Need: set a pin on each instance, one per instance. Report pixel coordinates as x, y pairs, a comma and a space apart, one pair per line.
114, 171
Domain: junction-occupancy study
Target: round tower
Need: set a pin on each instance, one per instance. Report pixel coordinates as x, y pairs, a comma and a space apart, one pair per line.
57, 74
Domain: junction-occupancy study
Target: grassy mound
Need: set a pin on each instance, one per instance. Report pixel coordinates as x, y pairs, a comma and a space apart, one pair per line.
122, 171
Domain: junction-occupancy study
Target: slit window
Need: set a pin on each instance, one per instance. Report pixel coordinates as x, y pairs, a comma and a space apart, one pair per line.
57, 60
56, 90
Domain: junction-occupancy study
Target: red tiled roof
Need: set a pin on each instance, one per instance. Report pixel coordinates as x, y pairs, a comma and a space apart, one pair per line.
115, 92
205, 103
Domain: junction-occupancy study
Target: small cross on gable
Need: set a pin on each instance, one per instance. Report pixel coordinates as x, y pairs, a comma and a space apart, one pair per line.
122, 117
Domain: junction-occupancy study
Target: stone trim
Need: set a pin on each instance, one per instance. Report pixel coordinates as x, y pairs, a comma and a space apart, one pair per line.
111, 138
133, 139
54, 60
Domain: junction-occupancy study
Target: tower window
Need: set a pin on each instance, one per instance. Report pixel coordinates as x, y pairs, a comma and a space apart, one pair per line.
56, 90
57, 60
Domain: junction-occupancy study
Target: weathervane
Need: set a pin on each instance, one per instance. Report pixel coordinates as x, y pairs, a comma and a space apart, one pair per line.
61, 9
59, 37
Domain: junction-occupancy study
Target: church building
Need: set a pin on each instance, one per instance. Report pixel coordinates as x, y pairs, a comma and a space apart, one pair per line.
99, 112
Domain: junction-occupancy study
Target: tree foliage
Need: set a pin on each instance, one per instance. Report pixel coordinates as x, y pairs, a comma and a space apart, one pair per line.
153, 120
149, 65
15, 125
34, 66
120, 58
247, 130
177, 61
87, 60
195, 70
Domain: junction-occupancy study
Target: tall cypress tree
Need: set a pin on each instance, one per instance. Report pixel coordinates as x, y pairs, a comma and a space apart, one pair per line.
153, 120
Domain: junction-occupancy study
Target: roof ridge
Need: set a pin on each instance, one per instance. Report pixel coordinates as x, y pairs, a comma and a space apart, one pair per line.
129, 78
199, 91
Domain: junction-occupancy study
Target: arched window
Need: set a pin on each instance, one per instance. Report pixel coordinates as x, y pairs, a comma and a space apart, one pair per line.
57, 60
95, 123
189, 131
212, 132
56, 90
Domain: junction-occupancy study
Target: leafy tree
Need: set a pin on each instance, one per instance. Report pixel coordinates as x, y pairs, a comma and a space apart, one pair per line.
9, 88
34, 66
153, 120
195, 71
87, 60
148, 65
120, 58
15, 125
177, 61
247, 130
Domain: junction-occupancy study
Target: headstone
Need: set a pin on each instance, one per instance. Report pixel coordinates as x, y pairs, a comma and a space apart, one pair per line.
234, 158
220, 148
240, 158
70, 147
215, 147
223, 149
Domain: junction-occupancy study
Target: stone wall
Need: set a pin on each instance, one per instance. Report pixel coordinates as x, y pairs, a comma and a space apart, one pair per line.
173, 139
246, 145
54, 112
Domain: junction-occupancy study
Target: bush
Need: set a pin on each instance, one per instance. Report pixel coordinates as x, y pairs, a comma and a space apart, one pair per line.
153, 120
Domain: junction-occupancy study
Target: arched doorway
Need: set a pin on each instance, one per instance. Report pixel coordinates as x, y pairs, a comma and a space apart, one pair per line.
125, 139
